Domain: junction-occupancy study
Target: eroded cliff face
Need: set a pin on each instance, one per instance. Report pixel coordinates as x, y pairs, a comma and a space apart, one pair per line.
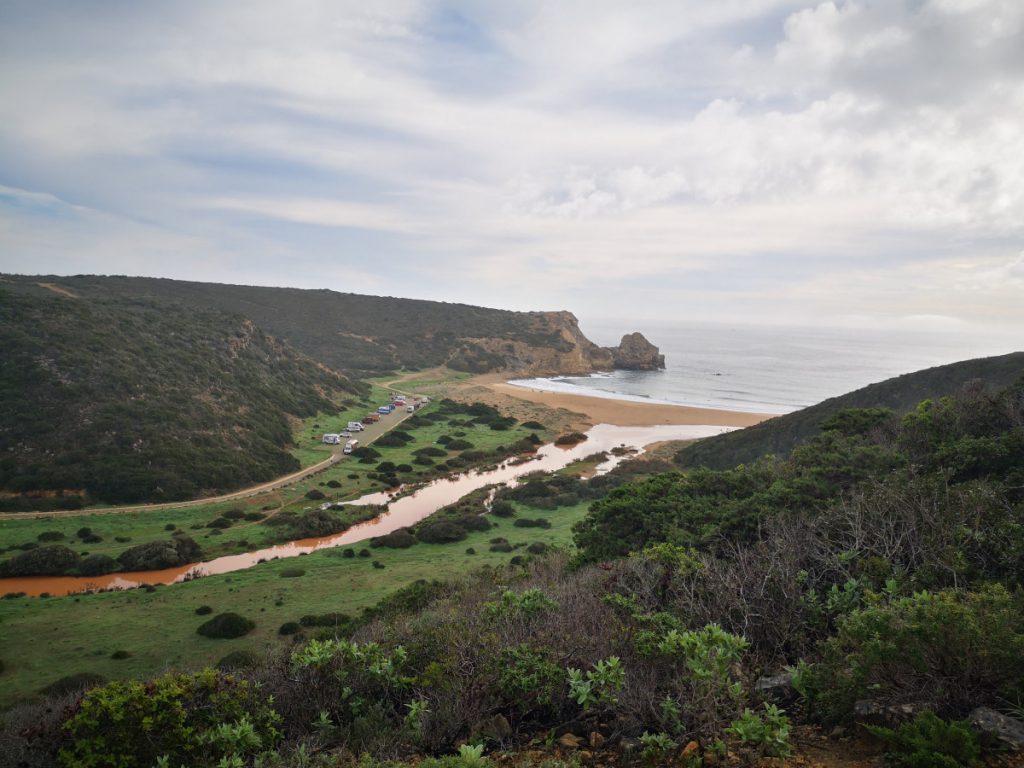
557, 346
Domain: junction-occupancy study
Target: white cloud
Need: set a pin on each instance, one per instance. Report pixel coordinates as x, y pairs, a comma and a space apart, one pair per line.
791, 147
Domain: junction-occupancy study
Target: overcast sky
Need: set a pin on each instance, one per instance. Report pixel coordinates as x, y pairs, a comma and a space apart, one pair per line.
760, 160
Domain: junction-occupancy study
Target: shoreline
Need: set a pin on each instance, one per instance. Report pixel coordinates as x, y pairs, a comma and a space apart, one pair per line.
623, 413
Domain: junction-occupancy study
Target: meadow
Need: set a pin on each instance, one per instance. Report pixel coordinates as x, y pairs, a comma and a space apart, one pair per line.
46, 639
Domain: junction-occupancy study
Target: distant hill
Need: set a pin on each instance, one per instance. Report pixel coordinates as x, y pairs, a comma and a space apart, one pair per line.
125, 399
365, 335
902, 393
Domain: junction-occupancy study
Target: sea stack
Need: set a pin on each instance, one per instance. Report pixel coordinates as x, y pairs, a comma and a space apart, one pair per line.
636, 353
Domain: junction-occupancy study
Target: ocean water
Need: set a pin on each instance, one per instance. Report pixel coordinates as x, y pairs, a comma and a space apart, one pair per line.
770, 369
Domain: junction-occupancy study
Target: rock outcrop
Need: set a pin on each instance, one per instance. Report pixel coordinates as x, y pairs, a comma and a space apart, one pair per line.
557, 346
635, 353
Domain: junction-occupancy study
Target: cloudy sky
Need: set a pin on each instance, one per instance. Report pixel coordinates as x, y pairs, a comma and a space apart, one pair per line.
765, 160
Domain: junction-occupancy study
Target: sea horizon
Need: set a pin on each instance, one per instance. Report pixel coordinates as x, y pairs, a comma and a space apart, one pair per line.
767, 369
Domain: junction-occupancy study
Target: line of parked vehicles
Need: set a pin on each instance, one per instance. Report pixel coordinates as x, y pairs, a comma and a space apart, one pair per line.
397, 401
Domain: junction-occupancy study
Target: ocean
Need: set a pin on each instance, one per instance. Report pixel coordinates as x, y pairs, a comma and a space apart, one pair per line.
769, 369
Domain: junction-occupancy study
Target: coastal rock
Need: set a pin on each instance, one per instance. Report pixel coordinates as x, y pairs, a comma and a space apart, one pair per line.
778, 687
1008, 731
636, 353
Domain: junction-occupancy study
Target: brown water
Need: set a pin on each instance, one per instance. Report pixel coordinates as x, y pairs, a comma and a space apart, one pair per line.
402, 512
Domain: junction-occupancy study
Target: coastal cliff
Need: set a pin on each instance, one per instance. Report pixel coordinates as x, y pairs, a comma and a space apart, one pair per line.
557, 346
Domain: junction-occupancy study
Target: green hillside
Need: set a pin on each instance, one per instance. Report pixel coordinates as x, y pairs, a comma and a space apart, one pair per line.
360, 335
780, 435
122, 400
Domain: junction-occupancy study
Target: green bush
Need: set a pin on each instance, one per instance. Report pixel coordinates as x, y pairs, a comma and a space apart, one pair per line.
73, 683
196, 720
525, 522
50, 536
203, 610
459, 445
400, 539
119, 655
234, 514
293, 573
238, 660
314, 495
226, 626
929, 742
953, 650
289, 628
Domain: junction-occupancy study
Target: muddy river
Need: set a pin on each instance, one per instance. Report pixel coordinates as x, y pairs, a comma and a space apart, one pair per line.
402, 511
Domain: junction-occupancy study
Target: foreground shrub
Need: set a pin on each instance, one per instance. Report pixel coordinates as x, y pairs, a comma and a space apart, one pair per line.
226, 626
195, 720
400, 539
928, 742
953, 651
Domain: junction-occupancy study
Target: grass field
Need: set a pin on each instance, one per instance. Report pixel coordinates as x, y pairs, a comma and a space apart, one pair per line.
124, 530
46, 639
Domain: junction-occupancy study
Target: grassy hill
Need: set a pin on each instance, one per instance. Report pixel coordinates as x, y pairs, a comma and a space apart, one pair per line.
361, 335
127, 399
902, 393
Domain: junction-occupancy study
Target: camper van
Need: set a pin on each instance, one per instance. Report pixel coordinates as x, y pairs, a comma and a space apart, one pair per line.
331, 439
350, 446
355, 426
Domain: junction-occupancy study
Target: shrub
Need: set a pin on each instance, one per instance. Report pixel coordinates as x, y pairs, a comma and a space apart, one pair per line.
289, 628
955, 651
365, 553
50, 536
226, 626
315, 495
440, 532
333, 484
203, 610
766, 734
501, 546
537, 548
429, 451
255, 516
156, 555
238, 660
348, 553
503, 509
571, 438
293, 573
325, 620
378, 564
528, 677
220, 523
459, 445
400, 539
470, 551
53, 559
928, 742
119, 655
600, 686
73, 683
198, 720
525, 522
97, 565
533, 425
234, 514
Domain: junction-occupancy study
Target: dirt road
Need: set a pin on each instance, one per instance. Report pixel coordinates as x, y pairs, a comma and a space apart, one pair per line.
385, 425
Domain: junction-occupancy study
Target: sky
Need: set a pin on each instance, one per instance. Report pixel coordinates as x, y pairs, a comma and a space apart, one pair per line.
766, 161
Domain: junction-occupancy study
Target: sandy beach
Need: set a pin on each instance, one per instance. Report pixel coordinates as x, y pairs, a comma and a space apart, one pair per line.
628, 413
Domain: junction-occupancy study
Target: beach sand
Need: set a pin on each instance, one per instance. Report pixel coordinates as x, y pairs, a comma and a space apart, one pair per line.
568, 412
628, 413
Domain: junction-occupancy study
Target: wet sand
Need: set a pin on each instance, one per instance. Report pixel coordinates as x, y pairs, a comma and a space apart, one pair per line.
623, 413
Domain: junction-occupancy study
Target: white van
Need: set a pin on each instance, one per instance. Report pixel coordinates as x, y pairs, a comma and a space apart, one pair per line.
331, 439
350, 446
355, 426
